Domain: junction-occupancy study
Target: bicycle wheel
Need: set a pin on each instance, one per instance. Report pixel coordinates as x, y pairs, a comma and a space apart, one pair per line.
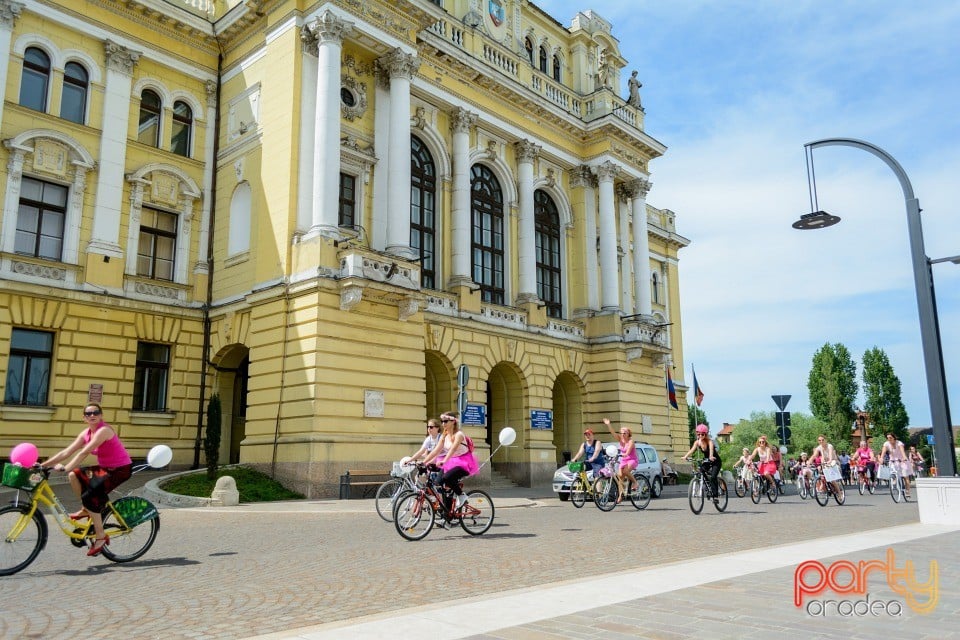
387, 495
640, 497
740, 486
413, 515
695, 495
23, 538
755, 491
605, 493
840, 495
820, 492
872, 486
862, 486
722, 497
801, 487
772, 492
896, 487
477, 515
128, 544
578, 492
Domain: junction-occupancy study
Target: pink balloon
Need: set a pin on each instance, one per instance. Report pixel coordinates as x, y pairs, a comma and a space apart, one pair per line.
25, 454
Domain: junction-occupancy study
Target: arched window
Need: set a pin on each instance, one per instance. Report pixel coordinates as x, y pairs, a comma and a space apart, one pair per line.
556, 68
547, 225
543, 59
148, 131
486, 246
182, 129
655, 287
35, 79
528, 45
423, 210
73, 99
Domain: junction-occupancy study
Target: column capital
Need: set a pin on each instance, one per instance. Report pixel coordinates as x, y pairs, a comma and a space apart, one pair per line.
120, 58
582, 176
607, 171
399, 64
9, 12
461, 120
641, 186
309, 42
329, 27
527, 151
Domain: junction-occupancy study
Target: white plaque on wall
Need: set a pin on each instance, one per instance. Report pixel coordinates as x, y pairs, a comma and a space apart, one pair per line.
372, 403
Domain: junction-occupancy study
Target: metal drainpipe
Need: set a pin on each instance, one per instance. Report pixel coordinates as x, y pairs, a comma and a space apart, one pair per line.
210, 262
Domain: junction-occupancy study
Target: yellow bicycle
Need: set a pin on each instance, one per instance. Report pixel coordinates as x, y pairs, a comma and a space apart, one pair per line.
582, 486
131, 522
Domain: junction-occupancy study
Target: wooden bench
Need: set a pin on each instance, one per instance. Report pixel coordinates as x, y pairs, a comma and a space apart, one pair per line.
366, 481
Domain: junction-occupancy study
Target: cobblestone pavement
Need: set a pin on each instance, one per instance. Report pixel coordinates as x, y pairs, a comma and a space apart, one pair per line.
258, 569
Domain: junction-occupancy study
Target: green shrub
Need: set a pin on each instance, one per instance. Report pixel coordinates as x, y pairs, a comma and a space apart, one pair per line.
252, 485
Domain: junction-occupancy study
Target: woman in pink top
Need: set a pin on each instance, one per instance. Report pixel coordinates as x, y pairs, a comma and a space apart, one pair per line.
628, 459
93, 484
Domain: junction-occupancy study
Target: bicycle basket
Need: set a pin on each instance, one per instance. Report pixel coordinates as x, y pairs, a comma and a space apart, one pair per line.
575, 467
20, 477
403, 470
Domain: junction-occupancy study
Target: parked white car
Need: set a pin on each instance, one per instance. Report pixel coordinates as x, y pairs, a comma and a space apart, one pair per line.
649, 466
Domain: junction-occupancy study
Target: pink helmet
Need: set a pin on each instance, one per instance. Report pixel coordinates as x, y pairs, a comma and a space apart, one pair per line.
702, 428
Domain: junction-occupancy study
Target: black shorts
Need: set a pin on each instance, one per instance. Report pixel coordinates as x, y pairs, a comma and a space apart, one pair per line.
97, 482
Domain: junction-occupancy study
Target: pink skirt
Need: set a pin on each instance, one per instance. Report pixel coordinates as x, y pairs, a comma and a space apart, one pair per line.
768, 468
464, 461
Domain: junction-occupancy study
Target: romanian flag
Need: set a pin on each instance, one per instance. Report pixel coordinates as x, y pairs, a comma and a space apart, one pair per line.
671, 391
697, 391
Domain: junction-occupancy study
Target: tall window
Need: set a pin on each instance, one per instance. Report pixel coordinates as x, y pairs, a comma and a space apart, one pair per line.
348, 201
28, 371
148, 131
158, 244
486, 208
556, 68
35, 79
543, 59
528, 45
73, 100
40, 219
182, 129
423, 210
655, 287
150, 379
547, 224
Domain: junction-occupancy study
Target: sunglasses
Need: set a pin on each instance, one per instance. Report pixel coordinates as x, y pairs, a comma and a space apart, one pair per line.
432, 426
445, 420
87, 414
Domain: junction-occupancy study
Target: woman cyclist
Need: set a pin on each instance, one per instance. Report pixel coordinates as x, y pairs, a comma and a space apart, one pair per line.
866, 462
628, 458
458, 461
828, 456
768, 466
899, 460
711, 458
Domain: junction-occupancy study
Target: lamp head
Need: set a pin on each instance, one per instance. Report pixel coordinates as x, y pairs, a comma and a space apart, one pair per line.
816, 220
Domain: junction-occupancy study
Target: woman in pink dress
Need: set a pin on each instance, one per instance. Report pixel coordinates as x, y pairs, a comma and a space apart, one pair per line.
93, 484
628, 459
459, 461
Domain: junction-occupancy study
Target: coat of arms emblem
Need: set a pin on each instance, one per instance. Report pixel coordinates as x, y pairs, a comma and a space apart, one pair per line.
497, 14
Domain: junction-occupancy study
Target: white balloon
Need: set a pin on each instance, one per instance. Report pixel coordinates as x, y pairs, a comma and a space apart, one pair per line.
507, 436
611, 450
159, 456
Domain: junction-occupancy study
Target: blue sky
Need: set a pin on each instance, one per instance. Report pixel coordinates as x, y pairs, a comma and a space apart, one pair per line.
735, 89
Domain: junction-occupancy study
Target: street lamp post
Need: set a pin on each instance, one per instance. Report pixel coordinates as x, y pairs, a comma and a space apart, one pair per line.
926, 300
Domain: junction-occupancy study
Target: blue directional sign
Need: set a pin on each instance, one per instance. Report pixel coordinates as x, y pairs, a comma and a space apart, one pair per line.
474, 415
541, 419
930, 440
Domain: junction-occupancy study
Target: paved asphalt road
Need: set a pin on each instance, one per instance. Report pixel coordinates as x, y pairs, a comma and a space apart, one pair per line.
256, 569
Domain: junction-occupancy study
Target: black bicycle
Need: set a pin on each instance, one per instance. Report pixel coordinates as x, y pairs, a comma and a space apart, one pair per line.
699, 490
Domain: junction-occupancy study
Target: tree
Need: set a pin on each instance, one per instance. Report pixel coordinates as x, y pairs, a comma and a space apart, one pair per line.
695, 416
881, 386
832, 386
804, 431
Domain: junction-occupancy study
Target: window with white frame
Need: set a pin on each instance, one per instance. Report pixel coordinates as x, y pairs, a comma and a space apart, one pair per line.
40, 219
157, 247
182, 129
150, 378
35, 81
151, 110
73, 98
547, 226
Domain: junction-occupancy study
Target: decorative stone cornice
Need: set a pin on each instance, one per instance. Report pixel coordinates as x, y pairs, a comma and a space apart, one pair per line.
330, 28
607, 171
461, 120
9, 12
120, 58
399, 64
527, 151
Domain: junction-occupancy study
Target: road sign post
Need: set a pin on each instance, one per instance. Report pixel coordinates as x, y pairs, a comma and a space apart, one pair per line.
783, 418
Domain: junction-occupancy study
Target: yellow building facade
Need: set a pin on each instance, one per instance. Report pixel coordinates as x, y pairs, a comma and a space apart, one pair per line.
322, 212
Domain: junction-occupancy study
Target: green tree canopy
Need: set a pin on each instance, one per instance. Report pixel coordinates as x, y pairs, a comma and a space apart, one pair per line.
832, 387
804, 431
881, 386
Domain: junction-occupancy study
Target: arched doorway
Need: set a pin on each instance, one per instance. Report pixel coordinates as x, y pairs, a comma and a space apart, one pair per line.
568, 418
441, 394
233, 373
506, 407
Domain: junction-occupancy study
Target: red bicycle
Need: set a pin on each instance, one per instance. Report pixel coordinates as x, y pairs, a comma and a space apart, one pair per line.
415, 512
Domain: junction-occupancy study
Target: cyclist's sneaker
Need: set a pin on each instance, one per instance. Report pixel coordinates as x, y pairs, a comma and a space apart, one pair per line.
461, 500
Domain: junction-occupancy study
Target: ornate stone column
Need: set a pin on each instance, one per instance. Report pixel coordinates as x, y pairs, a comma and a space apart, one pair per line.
113, 150
609, 284
308, 116
9, 12
461, 122
209, 160
527, 152
638, 190
329, 30
623, 246
400, 66
583, 177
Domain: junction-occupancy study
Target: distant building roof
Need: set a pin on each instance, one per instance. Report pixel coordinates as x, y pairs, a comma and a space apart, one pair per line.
727, 429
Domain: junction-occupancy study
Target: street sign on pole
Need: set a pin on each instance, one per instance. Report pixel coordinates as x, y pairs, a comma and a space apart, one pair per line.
781, 401
463, 376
